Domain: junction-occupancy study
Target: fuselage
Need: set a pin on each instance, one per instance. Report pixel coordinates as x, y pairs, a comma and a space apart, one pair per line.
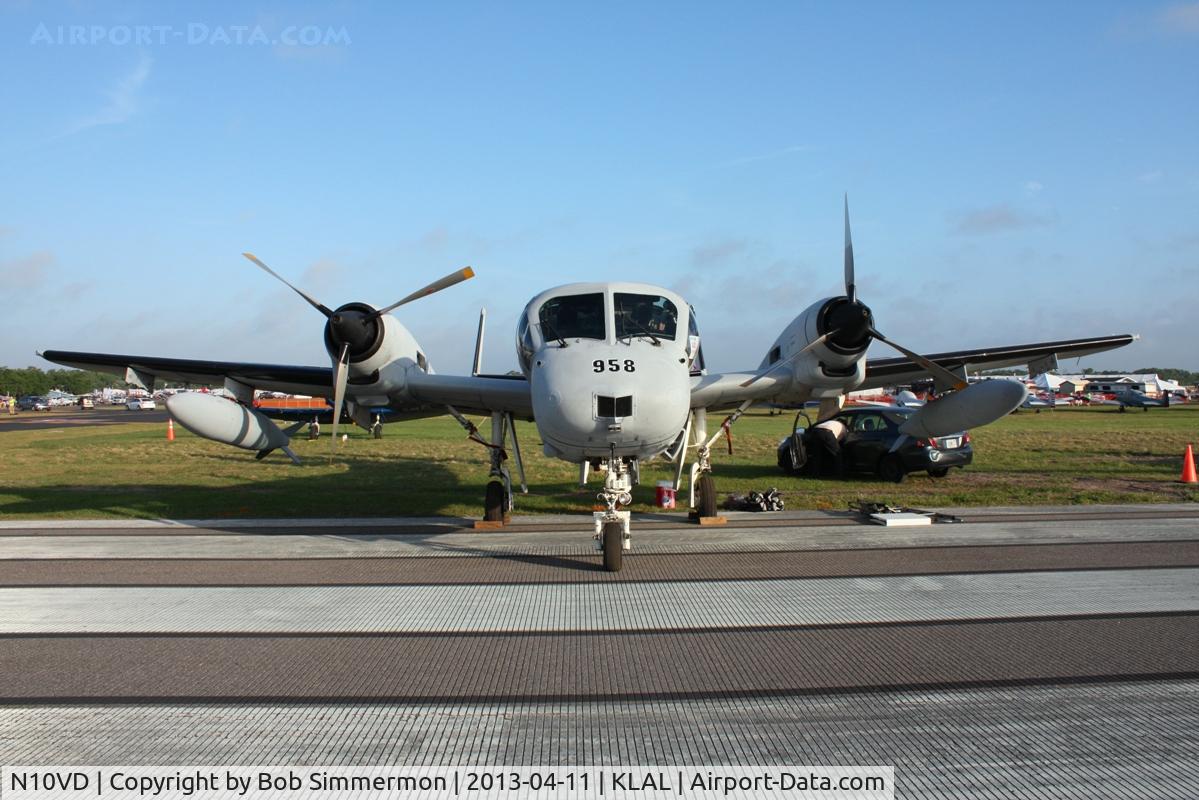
609, 368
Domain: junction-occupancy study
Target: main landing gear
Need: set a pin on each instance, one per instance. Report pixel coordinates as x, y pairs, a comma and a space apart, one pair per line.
497, 500
703, 486
377, 427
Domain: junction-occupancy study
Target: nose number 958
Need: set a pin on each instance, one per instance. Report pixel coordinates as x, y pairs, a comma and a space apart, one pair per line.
613, 365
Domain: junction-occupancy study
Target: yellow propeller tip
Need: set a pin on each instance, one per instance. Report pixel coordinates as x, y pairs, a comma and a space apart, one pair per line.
468, 273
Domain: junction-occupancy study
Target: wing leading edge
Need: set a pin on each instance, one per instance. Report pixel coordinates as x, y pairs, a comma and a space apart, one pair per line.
426, 394
882, 372
316, 381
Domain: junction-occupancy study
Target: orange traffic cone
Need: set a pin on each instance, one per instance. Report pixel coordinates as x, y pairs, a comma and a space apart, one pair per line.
171, 435
1188, 467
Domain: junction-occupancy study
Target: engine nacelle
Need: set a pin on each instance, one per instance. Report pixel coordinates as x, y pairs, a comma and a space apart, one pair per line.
380, 351
836, 365
225, 421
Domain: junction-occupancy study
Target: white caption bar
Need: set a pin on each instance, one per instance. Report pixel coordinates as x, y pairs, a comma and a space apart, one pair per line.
449, 783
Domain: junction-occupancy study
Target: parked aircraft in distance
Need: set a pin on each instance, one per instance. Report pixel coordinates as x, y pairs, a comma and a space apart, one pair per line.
612, 374
1134, 399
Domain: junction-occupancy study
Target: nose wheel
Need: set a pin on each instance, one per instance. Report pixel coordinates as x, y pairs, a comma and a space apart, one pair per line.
613, 544
612, 525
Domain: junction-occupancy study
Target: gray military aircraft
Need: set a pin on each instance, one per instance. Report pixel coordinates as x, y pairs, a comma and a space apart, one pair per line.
1134, 399
611, 373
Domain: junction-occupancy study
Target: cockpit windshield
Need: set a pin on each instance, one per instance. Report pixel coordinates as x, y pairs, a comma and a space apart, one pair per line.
645, 315
573, 316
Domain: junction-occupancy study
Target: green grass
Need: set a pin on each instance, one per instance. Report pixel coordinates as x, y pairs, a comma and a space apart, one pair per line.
428, 467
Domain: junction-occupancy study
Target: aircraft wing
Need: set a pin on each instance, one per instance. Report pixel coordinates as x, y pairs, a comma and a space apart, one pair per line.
725, 390
425, 394
316, 381
478, 394
882, 372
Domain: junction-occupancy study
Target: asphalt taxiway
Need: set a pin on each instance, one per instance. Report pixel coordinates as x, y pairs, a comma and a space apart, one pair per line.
1021, 653
77, 417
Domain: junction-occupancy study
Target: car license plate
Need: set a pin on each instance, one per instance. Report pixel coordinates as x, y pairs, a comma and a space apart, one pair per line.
949, 444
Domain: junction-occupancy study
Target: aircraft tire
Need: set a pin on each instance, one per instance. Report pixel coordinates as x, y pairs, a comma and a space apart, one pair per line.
613, 546
891, 469
705, 491
493, 506
377, 431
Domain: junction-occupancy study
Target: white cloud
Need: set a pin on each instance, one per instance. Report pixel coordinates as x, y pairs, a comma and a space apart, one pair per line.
996, 219
26, 274
124, 100
786, 151
1034, 187
1181, 18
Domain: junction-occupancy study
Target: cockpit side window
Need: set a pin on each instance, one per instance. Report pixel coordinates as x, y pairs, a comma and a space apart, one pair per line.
524, 344
645, 315
573, 316
694, 348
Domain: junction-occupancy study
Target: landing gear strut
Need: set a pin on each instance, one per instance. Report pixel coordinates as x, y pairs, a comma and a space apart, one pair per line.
314, 429
377, 427
612, 525
497, 501
703, 486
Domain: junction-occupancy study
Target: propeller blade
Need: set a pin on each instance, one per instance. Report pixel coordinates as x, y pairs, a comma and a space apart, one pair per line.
341, 373
851, 288
944, 377
818, 340
312, 302
436, 286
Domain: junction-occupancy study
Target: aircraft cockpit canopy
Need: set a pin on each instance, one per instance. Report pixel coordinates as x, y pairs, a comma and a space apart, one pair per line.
573, 316
644, 315
628, 314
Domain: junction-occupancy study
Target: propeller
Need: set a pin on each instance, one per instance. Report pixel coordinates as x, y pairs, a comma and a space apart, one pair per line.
354, 327
312, 302
846, 326
456, 277
341, 374
944, 377
779, 364
851, 288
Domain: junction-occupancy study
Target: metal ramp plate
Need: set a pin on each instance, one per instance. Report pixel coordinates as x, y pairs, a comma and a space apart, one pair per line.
900, 519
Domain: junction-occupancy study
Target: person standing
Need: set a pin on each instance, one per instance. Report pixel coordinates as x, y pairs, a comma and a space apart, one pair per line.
827, 436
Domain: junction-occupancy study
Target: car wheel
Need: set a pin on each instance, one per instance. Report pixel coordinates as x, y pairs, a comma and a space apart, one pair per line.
891, 469
939, 472
786, 462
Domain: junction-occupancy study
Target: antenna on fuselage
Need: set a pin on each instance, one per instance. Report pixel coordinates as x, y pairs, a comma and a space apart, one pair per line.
478, 362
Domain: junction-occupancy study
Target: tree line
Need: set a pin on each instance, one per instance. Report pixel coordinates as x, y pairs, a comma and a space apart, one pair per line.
31, 380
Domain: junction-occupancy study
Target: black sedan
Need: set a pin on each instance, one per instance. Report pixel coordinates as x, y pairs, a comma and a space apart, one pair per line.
869, 445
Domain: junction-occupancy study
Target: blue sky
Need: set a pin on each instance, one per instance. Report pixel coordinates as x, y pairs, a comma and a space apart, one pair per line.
1016, 172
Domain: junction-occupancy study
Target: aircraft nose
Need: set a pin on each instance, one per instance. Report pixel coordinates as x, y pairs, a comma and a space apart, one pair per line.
583, 412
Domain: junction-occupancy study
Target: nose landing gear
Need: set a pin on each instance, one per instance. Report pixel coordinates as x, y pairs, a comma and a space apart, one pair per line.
612, 525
